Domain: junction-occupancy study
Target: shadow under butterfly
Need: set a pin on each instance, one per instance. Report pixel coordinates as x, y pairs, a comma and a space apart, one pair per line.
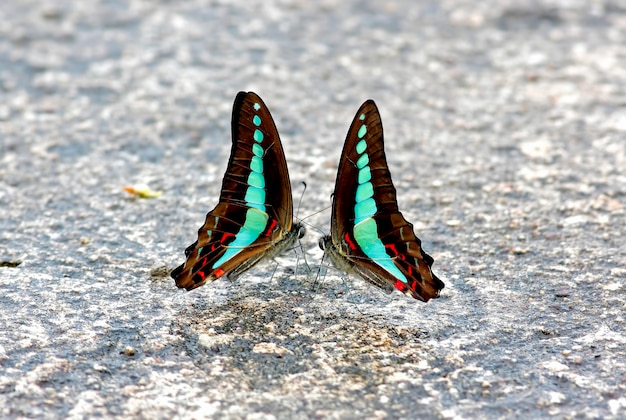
369, 235
254, 217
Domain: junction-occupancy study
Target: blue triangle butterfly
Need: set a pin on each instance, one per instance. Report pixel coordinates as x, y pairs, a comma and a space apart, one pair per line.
254, 217
369, 235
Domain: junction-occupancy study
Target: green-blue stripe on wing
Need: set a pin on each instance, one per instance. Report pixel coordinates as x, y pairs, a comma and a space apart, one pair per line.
256, 216
365, 226
255, 223
366, 235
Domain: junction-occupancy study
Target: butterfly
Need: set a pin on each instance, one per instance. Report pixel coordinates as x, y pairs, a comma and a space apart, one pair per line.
254, 217
369, 235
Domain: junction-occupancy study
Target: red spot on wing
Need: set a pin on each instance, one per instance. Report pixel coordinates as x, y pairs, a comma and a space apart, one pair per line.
409, 269
271, 227
201, 274
393, 249
401, 286
218, 273
225, 236
351, 244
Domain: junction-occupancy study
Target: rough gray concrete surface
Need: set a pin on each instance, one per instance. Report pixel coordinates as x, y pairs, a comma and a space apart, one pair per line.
505, 127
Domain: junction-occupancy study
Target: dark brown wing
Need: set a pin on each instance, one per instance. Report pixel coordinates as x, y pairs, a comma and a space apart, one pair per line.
254, 216
367, 228
278, 198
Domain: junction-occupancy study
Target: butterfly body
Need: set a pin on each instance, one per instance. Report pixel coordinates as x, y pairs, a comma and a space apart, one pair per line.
369, 235
254, 217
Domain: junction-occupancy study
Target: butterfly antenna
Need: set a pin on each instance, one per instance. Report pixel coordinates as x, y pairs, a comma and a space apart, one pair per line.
312, 226
301, 198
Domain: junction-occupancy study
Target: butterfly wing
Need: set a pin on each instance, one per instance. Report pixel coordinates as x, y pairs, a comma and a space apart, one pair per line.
254, 216
369, 235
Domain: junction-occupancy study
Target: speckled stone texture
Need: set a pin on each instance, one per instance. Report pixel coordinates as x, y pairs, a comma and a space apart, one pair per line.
505, 128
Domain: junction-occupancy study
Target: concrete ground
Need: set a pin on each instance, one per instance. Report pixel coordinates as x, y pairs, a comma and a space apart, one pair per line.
505, 127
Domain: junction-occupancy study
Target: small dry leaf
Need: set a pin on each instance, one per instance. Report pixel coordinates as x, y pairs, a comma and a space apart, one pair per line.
142, 191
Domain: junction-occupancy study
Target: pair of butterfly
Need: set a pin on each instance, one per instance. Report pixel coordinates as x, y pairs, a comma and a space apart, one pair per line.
254, 217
